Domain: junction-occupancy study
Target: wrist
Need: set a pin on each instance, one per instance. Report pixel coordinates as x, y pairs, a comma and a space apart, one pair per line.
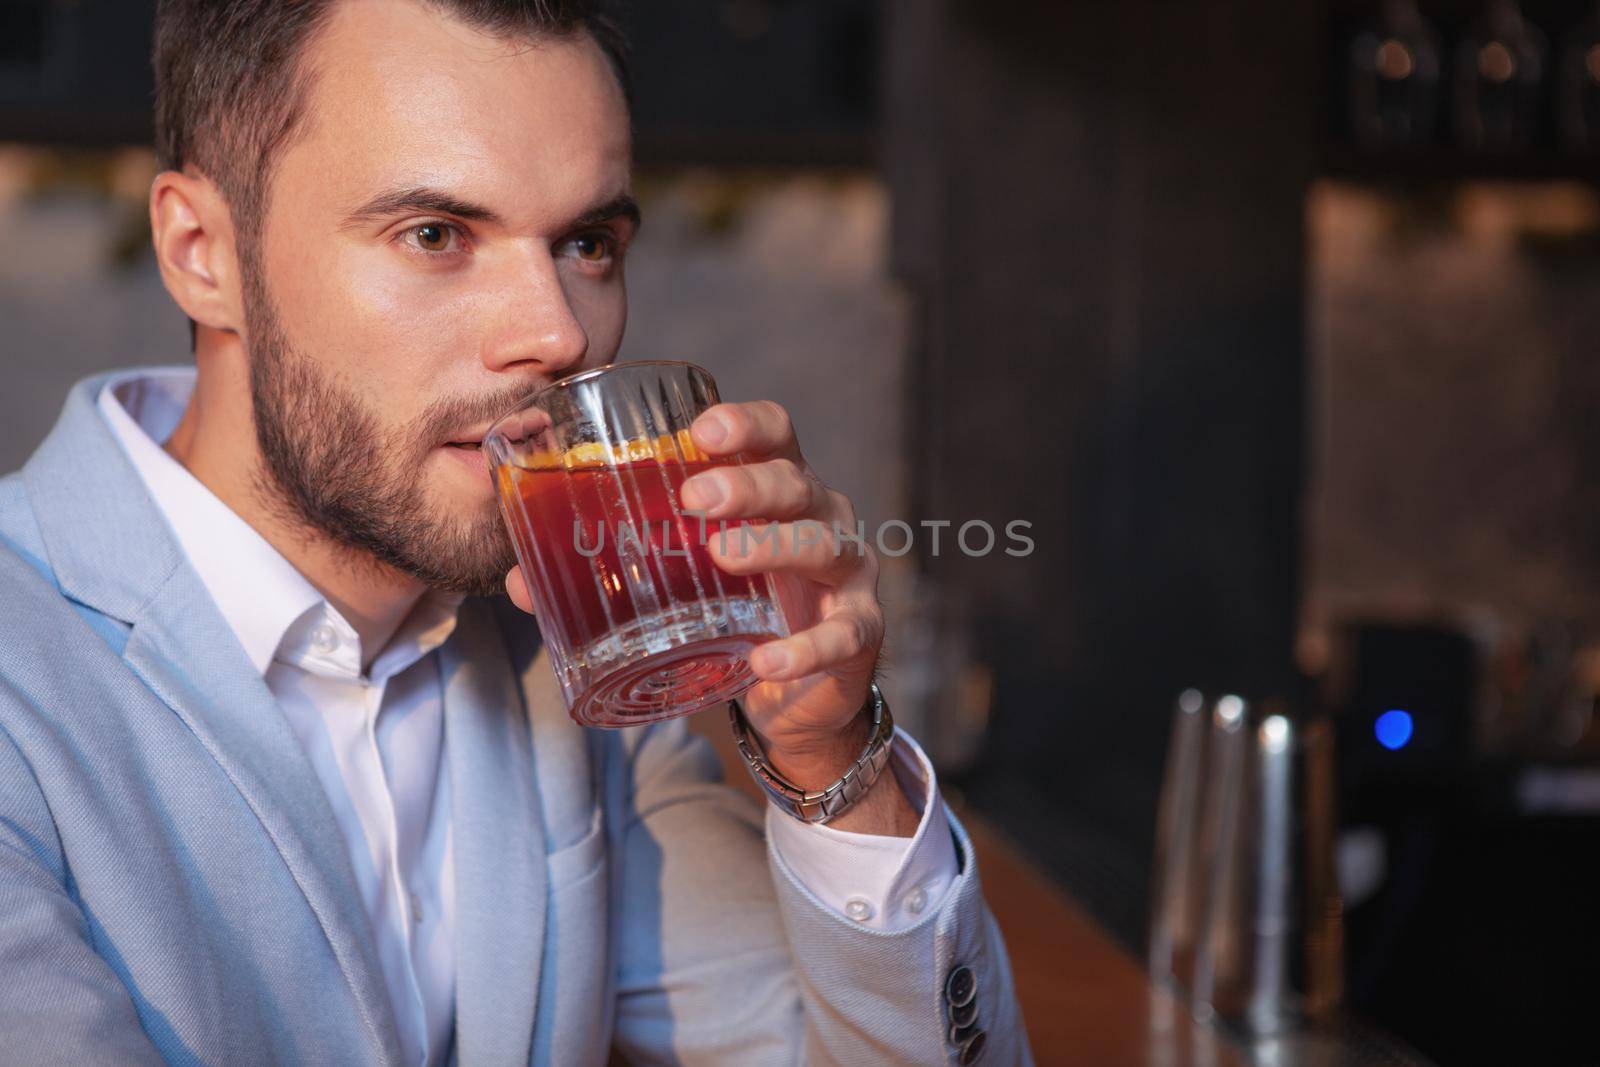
848, 784
816, 763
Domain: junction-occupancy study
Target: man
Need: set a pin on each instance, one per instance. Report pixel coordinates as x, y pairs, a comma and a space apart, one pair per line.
282, 780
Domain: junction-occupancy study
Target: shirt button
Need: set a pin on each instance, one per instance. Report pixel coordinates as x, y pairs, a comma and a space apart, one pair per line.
324, 638
916, 900
416, 909
859, 909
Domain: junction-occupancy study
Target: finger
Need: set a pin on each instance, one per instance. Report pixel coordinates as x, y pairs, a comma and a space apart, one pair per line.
847, 636
776, 489
759, 427
807, 548
517, 589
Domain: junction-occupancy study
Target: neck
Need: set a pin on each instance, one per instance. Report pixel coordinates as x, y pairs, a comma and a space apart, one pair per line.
216, 429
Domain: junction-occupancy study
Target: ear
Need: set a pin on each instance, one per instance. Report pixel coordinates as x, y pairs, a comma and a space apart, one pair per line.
192, 230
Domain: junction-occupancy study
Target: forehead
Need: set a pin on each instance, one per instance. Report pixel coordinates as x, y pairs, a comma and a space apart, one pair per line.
404, 95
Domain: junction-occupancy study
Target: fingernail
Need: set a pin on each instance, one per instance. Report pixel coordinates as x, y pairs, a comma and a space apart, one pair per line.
703, 493
776, 660
713, 431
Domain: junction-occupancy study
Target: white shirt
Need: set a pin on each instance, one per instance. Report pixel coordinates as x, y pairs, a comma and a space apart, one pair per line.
376, 741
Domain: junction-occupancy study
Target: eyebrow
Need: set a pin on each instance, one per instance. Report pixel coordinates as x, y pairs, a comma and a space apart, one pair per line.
431, 201
437, 202
621, 206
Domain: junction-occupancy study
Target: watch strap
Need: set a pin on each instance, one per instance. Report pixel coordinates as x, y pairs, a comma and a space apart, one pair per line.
824, 805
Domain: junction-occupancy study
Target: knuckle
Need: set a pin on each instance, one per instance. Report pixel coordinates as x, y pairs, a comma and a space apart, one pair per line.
827, 548
778, 417
841, 506
842, 561
792, 483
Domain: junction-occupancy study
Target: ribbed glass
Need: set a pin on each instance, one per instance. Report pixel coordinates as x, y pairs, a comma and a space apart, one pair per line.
639, 622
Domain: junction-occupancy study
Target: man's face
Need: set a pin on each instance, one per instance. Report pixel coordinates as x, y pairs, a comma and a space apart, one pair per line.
443, 234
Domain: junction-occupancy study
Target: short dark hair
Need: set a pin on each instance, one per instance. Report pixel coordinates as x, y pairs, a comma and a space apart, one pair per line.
230, 88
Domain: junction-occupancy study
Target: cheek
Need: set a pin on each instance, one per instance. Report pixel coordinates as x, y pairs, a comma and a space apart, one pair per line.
382, 330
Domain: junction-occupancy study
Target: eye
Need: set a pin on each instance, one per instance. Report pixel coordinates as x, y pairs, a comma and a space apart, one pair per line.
433, 237
592, 247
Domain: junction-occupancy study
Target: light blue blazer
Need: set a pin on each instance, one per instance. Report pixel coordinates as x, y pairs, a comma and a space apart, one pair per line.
173, 886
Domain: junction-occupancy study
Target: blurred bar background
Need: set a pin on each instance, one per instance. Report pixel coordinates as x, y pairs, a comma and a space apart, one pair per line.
1273, 319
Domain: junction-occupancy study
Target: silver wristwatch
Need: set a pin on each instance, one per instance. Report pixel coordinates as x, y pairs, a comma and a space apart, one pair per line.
828, 804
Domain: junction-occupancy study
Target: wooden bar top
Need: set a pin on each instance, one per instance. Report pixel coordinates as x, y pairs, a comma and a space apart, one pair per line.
1085, 999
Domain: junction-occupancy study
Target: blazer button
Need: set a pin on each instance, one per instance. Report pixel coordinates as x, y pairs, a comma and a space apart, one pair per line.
960, 987
964, 1015
972, 1050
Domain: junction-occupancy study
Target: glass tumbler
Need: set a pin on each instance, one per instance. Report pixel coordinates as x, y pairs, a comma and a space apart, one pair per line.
640, 624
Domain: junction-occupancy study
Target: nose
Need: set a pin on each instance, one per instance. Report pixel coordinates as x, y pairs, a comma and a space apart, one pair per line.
540, 332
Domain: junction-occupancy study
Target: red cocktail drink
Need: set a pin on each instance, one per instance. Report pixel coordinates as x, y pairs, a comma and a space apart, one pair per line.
639, 621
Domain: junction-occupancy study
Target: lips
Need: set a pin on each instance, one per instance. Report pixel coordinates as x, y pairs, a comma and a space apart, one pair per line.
471, 441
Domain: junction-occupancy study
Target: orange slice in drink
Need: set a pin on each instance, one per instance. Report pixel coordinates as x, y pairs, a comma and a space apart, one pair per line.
666, 448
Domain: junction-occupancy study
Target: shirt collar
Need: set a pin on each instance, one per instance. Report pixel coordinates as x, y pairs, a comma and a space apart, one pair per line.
320, 640
270, 606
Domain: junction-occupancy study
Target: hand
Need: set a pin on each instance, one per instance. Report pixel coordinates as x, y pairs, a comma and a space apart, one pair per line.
813, 683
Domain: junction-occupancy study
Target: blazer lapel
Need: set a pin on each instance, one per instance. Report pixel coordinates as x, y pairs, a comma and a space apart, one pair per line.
499, 846
200, 671
110, 549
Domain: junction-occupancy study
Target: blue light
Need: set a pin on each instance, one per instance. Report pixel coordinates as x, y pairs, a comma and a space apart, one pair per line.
1393, 729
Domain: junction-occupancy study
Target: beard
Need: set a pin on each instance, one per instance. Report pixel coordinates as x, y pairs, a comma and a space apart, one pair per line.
332, 465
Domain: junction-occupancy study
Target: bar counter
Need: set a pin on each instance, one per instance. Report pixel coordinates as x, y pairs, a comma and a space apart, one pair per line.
1086, 1000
